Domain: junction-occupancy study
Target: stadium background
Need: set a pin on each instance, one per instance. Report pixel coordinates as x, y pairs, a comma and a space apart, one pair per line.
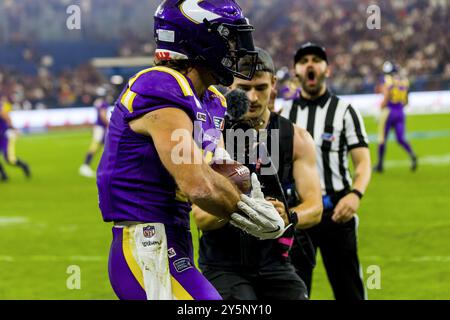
52, 221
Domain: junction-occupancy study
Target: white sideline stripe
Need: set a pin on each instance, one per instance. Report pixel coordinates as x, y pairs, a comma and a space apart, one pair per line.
417, 259
6, 221
41, 258
436, 224
6, 259
432, 259
365, 259
436, 160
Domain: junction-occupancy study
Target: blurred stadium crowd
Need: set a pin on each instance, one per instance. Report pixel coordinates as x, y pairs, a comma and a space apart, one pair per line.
43, 64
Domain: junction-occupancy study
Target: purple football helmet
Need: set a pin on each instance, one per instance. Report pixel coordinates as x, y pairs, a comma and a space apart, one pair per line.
213, 33
390, 67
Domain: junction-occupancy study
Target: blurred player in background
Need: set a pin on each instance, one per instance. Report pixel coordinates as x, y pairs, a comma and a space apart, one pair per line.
3, 175
8, 138
395, 89
163, 133
290, 89
98, 134
240, 266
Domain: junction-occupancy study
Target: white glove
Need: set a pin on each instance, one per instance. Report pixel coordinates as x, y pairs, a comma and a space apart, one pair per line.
262, 221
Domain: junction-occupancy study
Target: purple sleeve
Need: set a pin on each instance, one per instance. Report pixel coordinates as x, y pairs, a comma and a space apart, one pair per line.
156, 90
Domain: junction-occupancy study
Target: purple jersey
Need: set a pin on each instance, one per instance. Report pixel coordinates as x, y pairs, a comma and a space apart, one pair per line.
398, 88
5, 107
132, 182
101, 106
287, 93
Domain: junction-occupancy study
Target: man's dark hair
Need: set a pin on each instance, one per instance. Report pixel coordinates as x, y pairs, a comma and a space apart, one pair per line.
181, 66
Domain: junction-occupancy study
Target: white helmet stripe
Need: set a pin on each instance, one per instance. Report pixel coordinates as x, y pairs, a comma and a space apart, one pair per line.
194, 12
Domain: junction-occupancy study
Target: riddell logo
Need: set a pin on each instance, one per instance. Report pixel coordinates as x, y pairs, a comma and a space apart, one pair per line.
162, 55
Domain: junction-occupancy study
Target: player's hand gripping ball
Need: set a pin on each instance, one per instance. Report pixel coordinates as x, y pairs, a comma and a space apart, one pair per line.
258, 216
236, 172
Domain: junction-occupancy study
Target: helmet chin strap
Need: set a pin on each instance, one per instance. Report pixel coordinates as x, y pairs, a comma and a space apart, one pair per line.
224, 80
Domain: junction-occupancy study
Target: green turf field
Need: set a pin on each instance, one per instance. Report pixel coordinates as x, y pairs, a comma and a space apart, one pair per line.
52, 222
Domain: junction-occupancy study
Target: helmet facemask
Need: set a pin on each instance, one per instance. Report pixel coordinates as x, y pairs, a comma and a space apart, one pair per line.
232, 44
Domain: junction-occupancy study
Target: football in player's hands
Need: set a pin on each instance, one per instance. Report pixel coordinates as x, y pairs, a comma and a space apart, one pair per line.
236, 172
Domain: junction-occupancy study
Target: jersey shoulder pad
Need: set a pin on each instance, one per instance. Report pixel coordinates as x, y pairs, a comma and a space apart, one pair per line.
5, 106
161, 81
156, 88
216, 94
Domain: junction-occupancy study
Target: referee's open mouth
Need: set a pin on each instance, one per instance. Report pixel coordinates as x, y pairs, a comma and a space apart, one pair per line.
311, 78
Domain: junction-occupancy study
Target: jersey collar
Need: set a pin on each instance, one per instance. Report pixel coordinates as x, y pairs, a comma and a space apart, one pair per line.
320, 101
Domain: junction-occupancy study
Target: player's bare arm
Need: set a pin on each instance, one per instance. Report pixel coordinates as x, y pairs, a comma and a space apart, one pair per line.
349, 205
307, 181
204, 187
204, 220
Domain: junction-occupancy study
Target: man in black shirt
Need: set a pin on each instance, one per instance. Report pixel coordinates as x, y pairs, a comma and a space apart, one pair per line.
240, 266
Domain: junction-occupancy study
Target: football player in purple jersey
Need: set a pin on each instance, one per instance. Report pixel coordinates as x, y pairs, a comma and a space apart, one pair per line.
98, 133
8, 138
164, 131
395, 98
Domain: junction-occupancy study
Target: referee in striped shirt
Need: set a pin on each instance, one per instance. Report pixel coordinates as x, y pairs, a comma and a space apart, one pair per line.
338, 130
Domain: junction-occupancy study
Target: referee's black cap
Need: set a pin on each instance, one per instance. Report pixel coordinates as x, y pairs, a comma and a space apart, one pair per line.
311, 48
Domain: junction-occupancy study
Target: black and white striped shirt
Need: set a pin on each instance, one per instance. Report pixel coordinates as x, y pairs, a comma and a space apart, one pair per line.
336, 128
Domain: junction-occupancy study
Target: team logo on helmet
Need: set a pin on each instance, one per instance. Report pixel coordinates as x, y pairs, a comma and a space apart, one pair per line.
212, 33
195, 13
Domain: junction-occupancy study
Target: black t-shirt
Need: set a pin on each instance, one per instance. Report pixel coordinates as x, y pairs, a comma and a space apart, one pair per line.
229, 248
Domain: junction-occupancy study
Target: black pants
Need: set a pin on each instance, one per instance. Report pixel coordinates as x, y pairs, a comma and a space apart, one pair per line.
338, 246
269, 283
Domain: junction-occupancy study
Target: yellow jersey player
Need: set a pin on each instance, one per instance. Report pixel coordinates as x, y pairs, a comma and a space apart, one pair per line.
8, 138
395, 90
